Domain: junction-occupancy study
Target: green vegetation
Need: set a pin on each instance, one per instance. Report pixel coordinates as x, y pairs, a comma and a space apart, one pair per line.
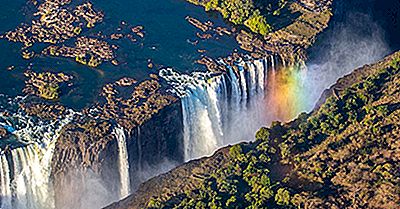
49, 91
343, 154
258, 24
251, 13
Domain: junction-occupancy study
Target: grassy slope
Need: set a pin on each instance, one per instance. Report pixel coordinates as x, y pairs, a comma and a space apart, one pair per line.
344, 154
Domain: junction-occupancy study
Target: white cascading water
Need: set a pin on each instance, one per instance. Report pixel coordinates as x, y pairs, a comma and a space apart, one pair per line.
25, 171
273, 63
243, 85
209, 113
253, 81
123, 162
201, 114
260, 65
5, 190
31, 178
236, 92
200, 93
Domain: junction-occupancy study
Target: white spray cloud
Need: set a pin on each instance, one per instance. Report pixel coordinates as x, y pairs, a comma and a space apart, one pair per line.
351, 44
84, 190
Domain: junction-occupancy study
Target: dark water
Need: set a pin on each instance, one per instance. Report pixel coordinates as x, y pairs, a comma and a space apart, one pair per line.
165, 43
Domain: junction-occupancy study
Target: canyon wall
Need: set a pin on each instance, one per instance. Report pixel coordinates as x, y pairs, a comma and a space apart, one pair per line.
88, 152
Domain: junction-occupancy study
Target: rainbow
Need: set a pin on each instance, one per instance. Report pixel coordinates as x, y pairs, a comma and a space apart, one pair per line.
286, 96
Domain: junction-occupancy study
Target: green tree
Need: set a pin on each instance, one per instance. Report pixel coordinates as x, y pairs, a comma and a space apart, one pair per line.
236, 151
263, 134
258, 23
282, 197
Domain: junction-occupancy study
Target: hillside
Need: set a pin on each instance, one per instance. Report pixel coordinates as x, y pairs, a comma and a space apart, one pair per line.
345, 154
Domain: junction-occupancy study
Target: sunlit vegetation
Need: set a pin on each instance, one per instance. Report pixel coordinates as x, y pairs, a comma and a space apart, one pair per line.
251, 13
49, 91
343, 154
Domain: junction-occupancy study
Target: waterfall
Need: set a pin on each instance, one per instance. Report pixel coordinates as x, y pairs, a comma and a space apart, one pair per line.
5, 184
26, 169
225, 108
260, 69
202, 127
31, 178
253, 82
243, 85
236, 93
30, 186
123, 162
273, 63
201, 96
210, 114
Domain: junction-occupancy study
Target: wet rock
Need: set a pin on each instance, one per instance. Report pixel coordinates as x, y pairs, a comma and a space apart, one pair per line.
150, 64
87, 12
125, 81
208, 29
54, 23
138, 30
211, 64
44, 111
27, 54
115, 62
198, 24
204, 36
154, 76
10, 68
3, 132
221, 31
116, 36
138, 106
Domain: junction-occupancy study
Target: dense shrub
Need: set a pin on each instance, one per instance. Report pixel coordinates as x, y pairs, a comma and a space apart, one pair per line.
245, 12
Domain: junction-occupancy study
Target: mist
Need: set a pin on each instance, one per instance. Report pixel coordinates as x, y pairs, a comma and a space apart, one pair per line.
85, 190
347, 45
89, 190
352, 42
149, 171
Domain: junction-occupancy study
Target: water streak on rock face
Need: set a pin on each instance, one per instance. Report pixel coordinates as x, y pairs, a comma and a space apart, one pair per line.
123, 162
139, 148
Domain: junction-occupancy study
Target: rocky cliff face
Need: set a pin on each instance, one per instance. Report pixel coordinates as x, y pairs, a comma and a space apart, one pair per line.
157, 141
88, 146
84, 146
318, 172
